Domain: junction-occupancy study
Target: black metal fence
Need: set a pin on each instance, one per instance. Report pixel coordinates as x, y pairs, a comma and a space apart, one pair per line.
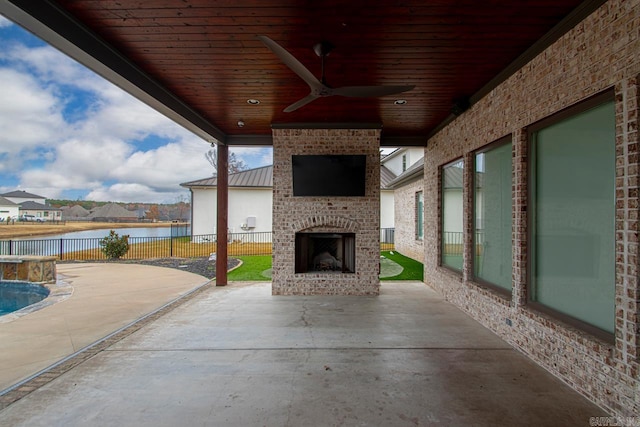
239, 244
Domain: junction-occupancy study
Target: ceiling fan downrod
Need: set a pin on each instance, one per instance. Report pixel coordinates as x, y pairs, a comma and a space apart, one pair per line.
323, 49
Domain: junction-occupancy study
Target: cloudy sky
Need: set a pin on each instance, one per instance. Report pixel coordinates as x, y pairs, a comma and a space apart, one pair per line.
67, 133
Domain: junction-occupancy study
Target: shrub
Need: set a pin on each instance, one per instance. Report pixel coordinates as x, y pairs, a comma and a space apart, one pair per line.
114, 246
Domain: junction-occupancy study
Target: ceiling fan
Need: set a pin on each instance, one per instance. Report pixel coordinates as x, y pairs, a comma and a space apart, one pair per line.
320, 88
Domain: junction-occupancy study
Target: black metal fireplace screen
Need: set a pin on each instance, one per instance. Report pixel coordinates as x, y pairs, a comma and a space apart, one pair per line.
325, 252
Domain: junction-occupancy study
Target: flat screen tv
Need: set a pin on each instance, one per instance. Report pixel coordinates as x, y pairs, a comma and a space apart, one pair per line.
329, 175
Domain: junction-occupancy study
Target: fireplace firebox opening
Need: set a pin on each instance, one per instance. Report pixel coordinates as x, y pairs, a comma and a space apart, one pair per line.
325, 252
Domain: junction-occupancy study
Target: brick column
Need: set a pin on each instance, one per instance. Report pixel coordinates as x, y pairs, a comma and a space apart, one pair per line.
467, 215
627, 214
519, 190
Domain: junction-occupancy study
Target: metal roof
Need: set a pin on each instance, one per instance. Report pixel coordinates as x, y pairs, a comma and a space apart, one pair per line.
386, 176
258, 177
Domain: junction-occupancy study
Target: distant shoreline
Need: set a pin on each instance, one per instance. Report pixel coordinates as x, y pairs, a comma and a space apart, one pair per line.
18, 230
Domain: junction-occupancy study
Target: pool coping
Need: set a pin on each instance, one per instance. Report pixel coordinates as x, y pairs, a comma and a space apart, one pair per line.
58, 292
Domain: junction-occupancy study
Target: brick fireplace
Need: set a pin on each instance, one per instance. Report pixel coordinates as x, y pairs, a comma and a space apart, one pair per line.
325, 245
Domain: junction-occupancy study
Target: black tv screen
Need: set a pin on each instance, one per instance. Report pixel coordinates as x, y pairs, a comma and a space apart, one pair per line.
329, 175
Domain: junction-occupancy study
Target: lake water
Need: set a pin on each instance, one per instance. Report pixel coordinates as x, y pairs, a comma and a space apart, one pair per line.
92, 234
81, 240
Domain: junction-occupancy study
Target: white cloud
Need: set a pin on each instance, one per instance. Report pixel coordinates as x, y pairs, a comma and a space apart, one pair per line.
88, 160
104, 147
29, 117
166, 166
254, 156
125, 117
4, 22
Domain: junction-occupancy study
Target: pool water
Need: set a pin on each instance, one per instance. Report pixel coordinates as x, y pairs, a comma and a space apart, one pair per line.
17, 295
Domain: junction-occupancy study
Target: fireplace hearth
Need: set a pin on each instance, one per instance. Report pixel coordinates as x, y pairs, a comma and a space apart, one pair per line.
325, 252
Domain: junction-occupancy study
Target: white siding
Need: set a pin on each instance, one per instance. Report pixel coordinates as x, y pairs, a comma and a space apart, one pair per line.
243, 203
246, 202
9, 211
204, 203
387, 214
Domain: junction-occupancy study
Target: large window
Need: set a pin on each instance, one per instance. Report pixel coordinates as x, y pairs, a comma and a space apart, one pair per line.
573, 215
419, 215
452, 222
492, 199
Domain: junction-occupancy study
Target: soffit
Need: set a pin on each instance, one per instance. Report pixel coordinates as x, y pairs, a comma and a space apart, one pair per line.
204, 56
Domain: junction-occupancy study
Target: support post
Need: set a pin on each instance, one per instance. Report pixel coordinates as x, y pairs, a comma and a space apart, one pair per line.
222, 215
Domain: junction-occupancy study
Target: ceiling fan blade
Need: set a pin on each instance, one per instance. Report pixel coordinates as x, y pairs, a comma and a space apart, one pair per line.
369, 91
304, 101
291, 62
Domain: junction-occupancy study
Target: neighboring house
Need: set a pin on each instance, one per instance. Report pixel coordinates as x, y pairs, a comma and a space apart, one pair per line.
249, 205
74, 212
112, 212
408, 193
251, 201
41, 211
402, 159
8, 209
393, 165
33, 204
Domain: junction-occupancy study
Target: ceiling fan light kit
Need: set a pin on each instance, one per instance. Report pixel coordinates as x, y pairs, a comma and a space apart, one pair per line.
319, 88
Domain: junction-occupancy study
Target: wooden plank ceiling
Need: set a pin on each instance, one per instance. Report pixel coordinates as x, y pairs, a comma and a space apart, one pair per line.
206, 52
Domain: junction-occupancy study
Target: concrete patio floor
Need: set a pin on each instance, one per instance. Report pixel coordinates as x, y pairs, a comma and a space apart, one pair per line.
104, 298
237, 356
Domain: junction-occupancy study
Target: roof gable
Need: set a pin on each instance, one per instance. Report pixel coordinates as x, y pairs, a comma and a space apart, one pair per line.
112, 210
22, 194
6, 202
76, 211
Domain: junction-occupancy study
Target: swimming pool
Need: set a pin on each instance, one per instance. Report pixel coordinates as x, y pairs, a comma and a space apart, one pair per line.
17, 295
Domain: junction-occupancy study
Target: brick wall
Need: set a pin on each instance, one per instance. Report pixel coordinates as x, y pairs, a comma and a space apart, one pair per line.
360, 215
405, 240
598, 54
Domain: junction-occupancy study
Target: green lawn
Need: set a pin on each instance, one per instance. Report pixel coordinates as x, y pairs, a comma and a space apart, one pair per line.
395, 265
253, 268
411, 269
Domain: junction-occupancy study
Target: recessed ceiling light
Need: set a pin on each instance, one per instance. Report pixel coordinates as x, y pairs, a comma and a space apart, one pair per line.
400, 101
253, 101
